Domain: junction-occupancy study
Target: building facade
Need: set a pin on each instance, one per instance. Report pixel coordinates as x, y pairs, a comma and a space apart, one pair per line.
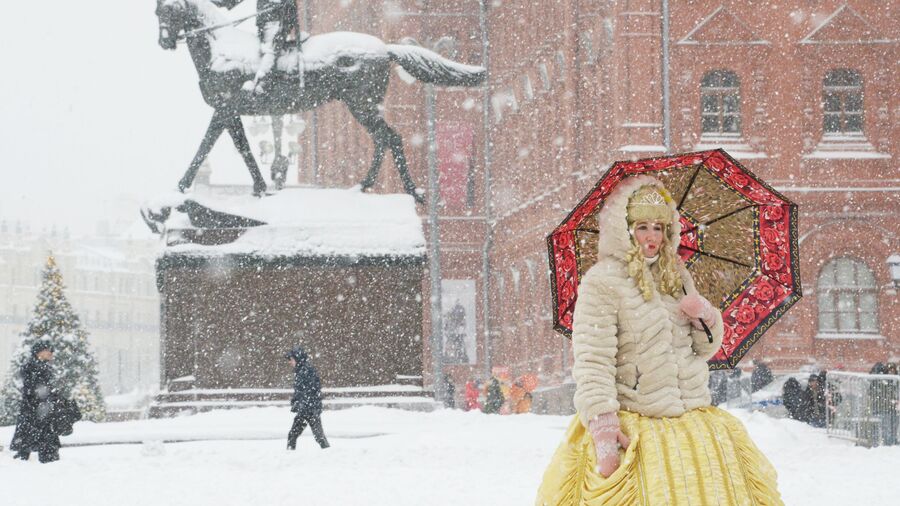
801, 92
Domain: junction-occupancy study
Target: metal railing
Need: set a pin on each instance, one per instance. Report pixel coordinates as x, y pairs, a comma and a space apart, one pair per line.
863, 407
731, 391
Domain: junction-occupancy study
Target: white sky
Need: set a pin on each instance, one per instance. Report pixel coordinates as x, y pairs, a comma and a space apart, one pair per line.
95, 117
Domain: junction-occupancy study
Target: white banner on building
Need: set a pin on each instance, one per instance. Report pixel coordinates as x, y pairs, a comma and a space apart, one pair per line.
458, 315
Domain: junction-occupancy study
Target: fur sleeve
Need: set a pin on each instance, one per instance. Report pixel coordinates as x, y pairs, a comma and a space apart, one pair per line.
595, 343
701, 345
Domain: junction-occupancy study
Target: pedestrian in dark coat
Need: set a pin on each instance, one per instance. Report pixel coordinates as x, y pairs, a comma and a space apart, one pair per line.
35, 430
307, 399
814, 401
760, 377
792, 398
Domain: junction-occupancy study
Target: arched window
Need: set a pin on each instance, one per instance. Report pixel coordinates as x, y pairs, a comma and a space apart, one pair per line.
720, 103
847, 298
842, 101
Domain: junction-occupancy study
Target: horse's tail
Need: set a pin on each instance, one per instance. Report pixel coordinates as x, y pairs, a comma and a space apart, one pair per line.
430, 67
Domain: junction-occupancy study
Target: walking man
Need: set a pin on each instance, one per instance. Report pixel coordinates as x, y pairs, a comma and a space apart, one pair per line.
307, 399
35, 431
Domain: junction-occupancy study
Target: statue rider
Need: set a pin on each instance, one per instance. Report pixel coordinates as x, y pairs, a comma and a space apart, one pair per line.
276, 21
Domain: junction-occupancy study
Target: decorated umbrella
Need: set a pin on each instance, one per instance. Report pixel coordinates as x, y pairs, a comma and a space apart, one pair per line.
738, 239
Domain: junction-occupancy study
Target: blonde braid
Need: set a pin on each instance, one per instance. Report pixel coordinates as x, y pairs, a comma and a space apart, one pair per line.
670, 281
669, 278
637, 270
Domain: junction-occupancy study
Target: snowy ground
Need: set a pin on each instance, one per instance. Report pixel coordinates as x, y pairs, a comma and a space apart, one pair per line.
383, 457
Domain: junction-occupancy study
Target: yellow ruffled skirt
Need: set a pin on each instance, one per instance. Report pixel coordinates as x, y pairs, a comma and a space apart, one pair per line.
703, 457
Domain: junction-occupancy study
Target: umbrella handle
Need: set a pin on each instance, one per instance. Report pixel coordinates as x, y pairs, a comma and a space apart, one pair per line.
706, 329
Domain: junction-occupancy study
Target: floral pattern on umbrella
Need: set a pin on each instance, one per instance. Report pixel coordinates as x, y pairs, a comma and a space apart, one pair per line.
739, 240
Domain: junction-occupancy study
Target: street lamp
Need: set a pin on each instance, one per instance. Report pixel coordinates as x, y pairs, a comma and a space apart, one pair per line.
893, 262
443, 44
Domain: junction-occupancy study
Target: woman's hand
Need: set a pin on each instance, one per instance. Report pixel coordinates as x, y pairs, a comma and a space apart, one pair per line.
607, 440
696, 308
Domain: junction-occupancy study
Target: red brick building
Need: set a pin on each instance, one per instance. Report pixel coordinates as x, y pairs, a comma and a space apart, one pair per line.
802, 92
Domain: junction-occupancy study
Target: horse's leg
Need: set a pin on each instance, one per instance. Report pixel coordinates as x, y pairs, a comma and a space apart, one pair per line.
236, 130
213, 131
363, 116
384, 136
377, 159
395, 142
278, 172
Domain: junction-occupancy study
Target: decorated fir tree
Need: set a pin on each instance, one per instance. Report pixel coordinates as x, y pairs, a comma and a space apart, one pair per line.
55, 321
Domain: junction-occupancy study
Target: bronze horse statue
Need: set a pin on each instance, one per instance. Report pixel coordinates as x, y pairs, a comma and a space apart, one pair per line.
346, 66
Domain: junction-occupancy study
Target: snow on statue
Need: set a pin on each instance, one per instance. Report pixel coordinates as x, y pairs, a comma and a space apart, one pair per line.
74, 367
283, 79
276, 21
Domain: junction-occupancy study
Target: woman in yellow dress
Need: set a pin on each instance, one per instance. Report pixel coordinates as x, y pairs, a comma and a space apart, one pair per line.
645, 433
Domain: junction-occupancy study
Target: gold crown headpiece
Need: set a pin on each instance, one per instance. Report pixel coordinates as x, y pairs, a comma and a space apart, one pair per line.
649, 203
651, 198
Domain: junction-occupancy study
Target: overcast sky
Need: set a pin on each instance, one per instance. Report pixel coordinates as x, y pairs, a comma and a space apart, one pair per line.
94, 117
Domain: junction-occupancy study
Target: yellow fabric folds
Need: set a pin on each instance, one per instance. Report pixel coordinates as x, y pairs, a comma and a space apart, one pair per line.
701, 458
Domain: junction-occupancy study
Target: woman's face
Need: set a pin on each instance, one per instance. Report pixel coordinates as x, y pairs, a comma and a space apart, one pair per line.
649, 236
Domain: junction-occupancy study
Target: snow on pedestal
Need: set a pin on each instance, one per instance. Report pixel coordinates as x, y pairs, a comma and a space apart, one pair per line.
311, 222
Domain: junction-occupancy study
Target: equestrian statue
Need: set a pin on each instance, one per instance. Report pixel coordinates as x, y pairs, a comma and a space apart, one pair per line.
271, 74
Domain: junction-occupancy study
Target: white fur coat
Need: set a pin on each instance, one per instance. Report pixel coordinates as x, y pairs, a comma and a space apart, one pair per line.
632, 354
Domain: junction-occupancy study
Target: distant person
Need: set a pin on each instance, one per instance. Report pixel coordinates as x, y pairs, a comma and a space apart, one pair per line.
893, 405
35, 431
450, 392
883, 401
307, 399
760, 378
792, 399
733, 387
718, 387
833, 397
495, 399
471, 396
814, 401
519, 398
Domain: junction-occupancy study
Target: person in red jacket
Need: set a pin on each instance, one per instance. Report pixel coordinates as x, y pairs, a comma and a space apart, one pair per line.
472, 389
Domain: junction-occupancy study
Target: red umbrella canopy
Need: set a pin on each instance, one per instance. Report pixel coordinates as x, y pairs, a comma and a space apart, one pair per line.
739, 240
